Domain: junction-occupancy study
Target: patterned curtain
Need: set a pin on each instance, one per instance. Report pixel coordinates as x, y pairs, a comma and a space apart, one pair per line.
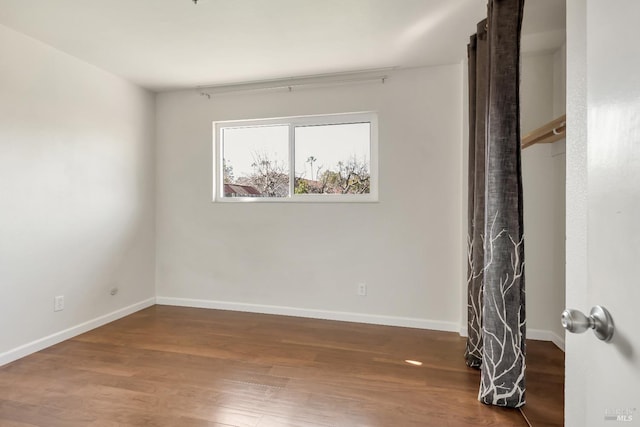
496, 311
478, 69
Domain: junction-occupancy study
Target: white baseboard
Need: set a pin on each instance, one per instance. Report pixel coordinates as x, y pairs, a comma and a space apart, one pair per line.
534, 334
42, 343
542, 335
557, 340
407, 322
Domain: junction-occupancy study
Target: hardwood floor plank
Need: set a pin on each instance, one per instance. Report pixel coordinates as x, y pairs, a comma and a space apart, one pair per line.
545, 387
173, 366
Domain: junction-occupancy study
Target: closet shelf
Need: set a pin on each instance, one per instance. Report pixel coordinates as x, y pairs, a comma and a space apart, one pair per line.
550, 132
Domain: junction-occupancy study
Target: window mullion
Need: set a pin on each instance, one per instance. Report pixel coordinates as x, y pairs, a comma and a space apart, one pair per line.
292, 159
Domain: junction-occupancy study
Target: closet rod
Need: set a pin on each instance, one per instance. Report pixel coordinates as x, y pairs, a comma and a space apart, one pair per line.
550, 132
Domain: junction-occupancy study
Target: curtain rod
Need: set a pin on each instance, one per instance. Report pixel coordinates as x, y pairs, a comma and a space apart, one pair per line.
291, 83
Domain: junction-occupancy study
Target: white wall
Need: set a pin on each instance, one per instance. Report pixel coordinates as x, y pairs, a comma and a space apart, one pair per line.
76, 194
77, 164
543, 170
297, 258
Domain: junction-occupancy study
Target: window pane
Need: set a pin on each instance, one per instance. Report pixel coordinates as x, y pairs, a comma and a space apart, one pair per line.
333, 159
256, 161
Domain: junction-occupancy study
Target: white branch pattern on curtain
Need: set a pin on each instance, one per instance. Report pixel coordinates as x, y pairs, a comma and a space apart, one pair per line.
504, 353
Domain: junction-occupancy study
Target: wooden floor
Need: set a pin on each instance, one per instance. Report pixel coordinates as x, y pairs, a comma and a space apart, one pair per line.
171, 366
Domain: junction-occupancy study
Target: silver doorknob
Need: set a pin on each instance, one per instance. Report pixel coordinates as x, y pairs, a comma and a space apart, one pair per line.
599, 320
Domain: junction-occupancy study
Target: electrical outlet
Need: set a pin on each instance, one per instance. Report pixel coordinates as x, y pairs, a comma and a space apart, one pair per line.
113, 291
58, 303
362, 289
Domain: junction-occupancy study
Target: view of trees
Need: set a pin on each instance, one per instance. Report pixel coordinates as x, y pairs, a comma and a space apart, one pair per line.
271, 177
228, 172
349, 177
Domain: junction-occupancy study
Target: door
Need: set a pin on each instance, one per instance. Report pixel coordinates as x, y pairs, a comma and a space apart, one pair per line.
603, 209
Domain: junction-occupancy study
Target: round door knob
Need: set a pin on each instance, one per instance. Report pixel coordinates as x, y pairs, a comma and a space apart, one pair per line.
599, 320
575, 321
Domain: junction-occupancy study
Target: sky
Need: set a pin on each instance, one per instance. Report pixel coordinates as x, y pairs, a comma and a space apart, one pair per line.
329, 144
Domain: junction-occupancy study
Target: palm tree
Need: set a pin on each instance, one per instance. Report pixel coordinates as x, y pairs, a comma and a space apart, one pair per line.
311, 159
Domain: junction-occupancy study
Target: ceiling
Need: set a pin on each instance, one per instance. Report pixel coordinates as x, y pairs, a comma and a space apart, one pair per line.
171, 44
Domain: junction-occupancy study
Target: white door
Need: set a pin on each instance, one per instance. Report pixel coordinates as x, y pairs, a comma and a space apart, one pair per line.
603, 209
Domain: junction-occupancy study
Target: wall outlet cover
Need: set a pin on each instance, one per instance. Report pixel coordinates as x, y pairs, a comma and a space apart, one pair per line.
362, 289
58, 303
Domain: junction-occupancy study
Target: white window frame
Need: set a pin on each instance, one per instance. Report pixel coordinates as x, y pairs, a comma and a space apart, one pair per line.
292, 122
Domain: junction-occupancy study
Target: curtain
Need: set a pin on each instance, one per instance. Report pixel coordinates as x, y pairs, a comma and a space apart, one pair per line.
496, 288
478, 64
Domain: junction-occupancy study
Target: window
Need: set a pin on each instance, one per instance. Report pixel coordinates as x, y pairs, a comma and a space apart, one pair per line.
308, 158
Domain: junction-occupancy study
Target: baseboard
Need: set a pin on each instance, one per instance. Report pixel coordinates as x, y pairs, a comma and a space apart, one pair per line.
42, 343
557, 340
534, 334
542, 335
407, 322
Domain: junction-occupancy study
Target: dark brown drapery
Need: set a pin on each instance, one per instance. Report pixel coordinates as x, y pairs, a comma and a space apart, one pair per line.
496, 312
